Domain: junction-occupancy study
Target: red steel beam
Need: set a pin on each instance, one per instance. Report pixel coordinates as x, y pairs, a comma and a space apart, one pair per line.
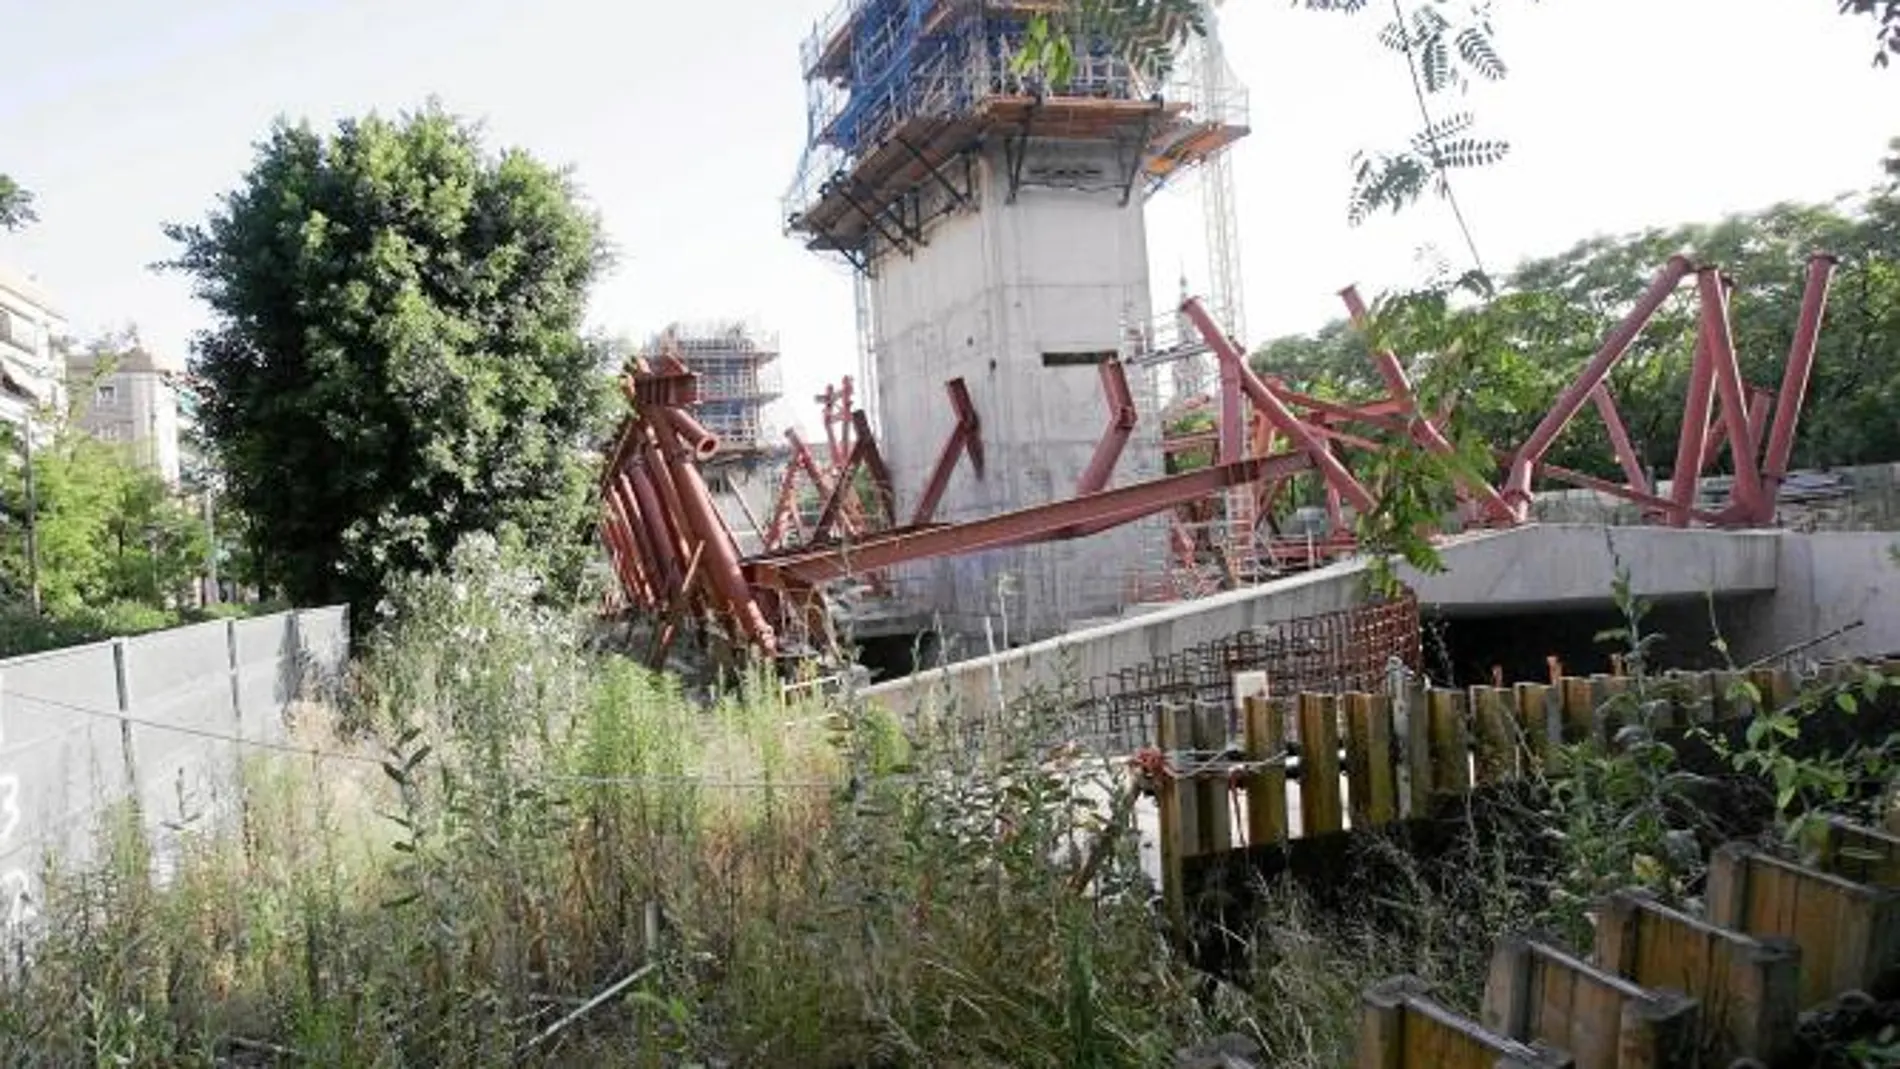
1123, 504
864, 452
963, 440
1691, 443
721, 556
1760, 399
1121, 423
1421, 428
1728, 387
1620, 438
1276, 411
1794, 379
1531, 453
874, 462
1604, 486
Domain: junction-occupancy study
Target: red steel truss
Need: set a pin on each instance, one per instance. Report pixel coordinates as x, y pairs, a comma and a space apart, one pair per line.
675, 558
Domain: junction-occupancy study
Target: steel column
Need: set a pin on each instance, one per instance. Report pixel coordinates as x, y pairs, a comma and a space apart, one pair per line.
1794, 379
963, 439
1518, 490
1728, 387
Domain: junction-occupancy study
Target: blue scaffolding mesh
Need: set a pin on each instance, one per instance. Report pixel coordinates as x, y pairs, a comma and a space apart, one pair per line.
871, 66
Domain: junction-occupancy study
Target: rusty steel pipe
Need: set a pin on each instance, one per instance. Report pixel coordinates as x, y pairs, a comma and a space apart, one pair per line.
1531, 453
721, 555
1277, 412
620, 496
661, 537
1727, 374
1794, 379
695, 437
620, 533
1697, 406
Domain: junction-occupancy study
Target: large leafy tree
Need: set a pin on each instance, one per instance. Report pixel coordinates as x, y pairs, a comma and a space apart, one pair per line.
397, 357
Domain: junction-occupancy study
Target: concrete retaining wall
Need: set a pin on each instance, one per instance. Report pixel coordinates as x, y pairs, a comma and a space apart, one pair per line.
160, 717
1527, 569
1829, 580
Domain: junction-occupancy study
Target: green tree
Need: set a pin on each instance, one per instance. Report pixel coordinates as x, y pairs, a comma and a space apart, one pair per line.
397, 358
16, 205
109, 531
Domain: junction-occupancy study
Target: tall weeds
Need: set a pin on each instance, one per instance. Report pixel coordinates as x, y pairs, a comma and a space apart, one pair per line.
504, 825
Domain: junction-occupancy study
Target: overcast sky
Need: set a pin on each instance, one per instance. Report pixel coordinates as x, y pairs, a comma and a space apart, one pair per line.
683, 123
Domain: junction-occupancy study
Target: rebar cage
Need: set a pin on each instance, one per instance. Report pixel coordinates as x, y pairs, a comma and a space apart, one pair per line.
1330, 653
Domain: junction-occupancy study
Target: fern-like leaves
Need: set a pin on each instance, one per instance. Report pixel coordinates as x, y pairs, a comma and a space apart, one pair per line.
1475, 48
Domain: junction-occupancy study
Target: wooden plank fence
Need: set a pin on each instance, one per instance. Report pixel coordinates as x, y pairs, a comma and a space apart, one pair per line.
1660, 989
1362, 760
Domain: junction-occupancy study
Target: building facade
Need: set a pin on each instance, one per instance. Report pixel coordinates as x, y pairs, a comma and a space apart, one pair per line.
127, 398
30, 326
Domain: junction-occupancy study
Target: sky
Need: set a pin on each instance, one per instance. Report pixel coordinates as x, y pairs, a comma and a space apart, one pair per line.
683, 124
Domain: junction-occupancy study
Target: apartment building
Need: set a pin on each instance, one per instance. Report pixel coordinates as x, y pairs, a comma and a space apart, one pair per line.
130, 399
31, 372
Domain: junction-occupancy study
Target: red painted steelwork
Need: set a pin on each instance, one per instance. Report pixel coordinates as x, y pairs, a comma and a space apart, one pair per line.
1125, 503
1420, 428
721, 553
1794, 380
1727, 373
965, 439
1620, 438
1531, 453
1121, 423
1276, 411
1691, 450
674, 555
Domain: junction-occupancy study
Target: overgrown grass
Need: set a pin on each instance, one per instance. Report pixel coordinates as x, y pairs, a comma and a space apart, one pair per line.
516, 850
500, 821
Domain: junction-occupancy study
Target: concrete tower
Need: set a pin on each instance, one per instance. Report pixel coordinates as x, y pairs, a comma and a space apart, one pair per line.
999, 226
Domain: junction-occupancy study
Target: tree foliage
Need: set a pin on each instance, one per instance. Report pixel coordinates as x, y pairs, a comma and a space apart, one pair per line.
1886, 16
109, 530
1518, 349
16, 205
397, 356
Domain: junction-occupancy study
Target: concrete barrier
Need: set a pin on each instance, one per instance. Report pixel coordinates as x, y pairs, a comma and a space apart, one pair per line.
162, 717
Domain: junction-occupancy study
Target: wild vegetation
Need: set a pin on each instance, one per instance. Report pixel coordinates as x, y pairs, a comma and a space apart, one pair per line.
508, 846
396, 358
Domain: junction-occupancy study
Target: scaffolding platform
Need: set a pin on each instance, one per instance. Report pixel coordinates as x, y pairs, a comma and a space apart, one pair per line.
904, 94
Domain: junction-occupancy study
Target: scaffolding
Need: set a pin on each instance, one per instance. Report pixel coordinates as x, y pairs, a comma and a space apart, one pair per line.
739, 376
902, 93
